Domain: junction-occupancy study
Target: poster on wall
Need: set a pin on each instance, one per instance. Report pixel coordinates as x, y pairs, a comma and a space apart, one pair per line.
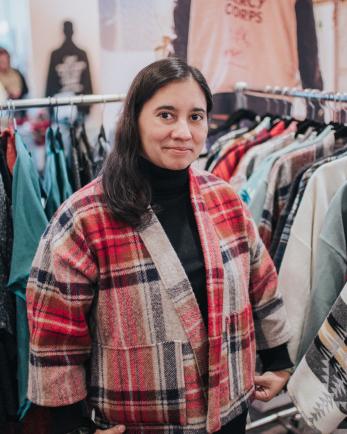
69, 72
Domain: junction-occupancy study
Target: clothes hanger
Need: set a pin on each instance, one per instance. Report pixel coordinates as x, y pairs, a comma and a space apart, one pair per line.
50, 133
340, 128
102, 134
310, 121
234, 118
269, 113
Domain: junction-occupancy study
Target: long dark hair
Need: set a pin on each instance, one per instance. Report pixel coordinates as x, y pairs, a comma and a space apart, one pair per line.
127, 193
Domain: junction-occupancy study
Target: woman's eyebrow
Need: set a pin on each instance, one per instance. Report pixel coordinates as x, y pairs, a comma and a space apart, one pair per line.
171, 107
166, 107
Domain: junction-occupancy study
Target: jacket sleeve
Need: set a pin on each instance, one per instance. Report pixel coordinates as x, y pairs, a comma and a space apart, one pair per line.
60, 292
269, 315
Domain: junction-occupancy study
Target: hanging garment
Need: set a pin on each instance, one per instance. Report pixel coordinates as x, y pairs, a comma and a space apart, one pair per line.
281, 236
4, 169
75, 177
293, 194
237, 147
29, 222
226, 145
181, 330
11, 154
318, 386
63, 182
219, 144
254, 191
330, 269
297, 271
100, 152
50, 182
281, 177
85, 157
8, 353
253, 157
257, 154
7, 307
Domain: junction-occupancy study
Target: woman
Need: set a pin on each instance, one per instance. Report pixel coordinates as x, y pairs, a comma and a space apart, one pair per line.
151, 287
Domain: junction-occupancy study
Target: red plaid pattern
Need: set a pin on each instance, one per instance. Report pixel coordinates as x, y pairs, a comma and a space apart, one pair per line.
227, 165
104, 295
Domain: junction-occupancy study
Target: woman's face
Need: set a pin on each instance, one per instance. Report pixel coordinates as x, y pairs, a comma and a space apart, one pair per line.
173, 125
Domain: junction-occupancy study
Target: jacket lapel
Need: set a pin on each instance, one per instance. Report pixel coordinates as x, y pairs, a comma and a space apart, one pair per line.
207, 349
215, 287
178, 287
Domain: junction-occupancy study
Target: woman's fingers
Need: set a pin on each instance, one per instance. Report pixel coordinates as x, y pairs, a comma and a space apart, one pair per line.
114, 430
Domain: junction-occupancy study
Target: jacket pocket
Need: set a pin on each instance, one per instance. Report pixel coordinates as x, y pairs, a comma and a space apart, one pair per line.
241, 352
139, 384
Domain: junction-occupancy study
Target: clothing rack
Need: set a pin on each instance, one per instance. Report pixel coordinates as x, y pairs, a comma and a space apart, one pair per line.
283, 92
277, 92
13, 105
276, 417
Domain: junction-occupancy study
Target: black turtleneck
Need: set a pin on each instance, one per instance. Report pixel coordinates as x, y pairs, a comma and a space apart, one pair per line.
171, 204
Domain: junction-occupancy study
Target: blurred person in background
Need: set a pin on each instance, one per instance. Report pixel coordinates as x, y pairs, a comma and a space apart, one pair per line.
11, 79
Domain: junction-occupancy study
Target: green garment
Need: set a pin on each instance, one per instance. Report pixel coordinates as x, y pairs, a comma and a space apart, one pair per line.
29, 222
50, 183
56, 182
64, 185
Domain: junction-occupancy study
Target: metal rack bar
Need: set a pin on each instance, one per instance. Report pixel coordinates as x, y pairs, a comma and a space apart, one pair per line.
272, 418
283, 92
11, 104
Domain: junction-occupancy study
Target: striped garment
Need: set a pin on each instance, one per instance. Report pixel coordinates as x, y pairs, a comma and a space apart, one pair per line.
113, 317
281, 236
318, 387
281, 177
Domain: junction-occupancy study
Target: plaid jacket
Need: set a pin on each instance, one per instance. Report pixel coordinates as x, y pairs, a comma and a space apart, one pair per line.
113, 317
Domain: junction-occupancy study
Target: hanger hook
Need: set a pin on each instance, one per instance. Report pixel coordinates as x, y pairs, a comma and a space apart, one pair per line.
338, 106
267, 99
309, 104
276, 91
71, 110
103, 110
285, 101
2, 110
14, 120
9, 109
312, 104
56, 106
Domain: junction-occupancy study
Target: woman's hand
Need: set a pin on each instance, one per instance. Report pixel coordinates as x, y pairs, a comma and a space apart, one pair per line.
115, 430
270, 384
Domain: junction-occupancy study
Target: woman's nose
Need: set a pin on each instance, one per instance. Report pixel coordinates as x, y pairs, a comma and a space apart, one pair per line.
181, 131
